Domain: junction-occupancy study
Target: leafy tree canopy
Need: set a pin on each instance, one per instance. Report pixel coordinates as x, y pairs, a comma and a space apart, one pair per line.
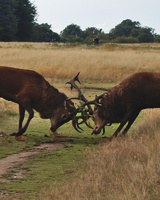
124, 28
8, 20
25, 14
43, 33
129, 28
91, 31
16, 21
71, 33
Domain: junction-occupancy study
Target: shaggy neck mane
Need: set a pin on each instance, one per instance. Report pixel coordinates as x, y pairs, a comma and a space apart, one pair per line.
51, 100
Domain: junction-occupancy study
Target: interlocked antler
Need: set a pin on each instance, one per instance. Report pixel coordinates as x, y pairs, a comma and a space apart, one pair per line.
80, 94
95, 101
81, 109
85, 116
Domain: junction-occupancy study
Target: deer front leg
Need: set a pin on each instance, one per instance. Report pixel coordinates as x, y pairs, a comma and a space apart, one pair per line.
129, 117
130, 122
21, 116
25, 106
125, 119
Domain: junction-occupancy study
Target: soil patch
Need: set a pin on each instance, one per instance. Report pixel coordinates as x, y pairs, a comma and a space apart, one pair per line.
6, 164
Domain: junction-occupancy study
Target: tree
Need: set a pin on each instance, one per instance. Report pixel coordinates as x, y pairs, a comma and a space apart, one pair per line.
43, 33
144, 37
124, 28
146, 34
16, 21
25, 14
8, 20
157, 38
91, 31
128, 30
71, 33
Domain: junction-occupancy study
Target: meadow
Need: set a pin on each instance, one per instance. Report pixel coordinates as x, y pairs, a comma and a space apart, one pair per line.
89, 167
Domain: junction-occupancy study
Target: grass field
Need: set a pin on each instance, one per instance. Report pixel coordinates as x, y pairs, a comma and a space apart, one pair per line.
89, 167
110, 62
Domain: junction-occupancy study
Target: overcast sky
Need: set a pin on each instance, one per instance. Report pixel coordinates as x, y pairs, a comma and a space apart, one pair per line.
105, 14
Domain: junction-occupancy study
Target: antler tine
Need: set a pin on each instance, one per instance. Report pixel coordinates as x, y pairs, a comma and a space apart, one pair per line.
76, 124
83, 121
76, 78
74, 85
95, 101
100, 96
72, 82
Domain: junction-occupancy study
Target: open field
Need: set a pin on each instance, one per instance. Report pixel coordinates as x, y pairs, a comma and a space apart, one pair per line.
86, 167
110, 62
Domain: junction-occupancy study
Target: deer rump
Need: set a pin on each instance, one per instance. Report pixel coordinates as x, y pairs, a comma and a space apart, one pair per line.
122, 103
31, 91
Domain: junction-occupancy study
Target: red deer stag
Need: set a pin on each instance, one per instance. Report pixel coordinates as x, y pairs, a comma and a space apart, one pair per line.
31, 91
123, 103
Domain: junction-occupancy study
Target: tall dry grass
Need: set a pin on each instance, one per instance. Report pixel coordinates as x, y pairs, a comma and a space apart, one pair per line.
94, 63
124, 169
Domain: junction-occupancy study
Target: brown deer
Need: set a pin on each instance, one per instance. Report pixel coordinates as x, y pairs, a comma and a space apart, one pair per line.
31, 91
122, 103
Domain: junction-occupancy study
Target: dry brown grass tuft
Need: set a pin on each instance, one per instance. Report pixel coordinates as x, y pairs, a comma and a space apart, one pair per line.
97, 63
124, 169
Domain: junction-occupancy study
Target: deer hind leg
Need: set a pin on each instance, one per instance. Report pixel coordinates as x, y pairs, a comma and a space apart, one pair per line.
24, 106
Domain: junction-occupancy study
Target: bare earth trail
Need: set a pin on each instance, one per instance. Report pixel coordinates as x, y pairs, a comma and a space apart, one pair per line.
8, 163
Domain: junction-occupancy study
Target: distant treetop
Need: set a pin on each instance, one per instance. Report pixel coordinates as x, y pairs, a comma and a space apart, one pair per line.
18, 23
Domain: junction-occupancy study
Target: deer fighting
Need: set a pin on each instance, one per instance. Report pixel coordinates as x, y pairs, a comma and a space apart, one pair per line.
120, 104
32, 92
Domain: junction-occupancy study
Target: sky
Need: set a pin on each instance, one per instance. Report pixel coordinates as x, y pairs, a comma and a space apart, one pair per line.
105, 14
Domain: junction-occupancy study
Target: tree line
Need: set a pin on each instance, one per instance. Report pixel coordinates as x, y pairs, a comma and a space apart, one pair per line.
18, 23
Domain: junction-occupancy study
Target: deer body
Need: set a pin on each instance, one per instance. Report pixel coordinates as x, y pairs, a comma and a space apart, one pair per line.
31, 91
122, 103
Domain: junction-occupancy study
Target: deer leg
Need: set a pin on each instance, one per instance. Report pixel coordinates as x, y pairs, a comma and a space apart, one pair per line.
26, 106
130, 122
21, 116
119, 128
123, 122
129, 117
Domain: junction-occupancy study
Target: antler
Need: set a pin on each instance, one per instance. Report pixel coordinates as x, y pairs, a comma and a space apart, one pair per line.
80, 109
80, 94
95, 101
74, 85
76, 124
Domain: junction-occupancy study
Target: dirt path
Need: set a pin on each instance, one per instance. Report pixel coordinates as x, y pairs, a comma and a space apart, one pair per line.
8, 163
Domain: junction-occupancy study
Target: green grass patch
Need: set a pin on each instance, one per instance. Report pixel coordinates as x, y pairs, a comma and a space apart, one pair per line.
44, 168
